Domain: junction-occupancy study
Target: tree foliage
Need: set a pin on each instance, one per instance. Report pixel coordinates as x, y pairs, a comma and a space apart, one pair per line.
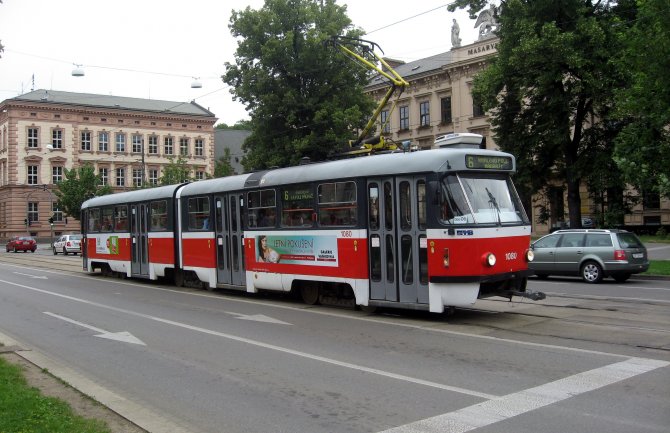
304, 99
643, 146
552, 78
176, 171
79, 185
242, 125
223, 166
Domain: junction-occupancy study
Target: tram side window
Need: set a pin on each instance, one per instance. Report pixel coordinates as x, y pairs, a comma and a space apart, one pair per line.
159, 215
262, 208
198, 213
373, 204
337, 204
94, 220
107, 219
297, 206
121, 218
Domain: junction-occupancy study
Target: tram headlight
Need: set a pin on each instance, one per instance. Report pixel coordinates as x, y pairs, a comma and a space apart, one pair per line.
530, 255
489, 259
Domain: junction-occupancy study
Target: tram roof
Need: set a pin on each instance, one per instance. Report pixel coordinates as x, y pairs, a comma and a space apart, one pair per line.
397, 163
219, 184
132, 196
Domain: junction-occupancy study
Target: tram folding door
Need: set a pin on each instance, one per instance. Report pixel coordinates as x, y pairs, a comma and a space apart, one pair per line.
139, 251
229, 240
397, 239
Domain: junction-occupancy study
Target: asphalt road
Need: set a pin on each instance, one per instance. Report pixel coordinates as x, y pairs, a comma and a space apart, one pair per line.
194, 361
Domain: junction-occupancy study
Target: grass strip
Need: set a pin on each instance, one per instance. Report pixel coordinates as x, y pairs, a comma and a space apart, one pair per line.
25, 410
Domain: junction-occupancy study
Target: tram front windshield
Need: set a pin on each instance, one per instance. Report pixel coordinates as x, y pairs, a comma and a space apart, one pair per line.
475, 198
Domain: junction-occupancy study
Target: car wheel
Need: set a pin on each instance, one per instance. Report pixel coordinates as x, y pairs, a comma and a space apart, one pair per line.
55, 251
592, 272
621, 278
64, 251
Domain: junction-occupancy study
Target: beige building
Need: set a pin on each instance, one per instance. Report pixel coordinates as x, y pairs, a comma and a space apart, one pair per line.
127, 140
439, 101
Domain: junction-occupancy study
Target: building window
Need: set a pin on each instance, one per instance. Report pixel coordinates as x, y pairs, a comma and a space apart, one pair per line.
168, 145
199, 147
33, 211
424, 113
199, 175
104, 175
153, 176
651, 200
120, 142
137, 143
33, 138
153, 144
120, 177
445, 105
404, 118
56, 174
477, 107
32, 175
86, 140
183, 146
384, 122
57, 138
137, 177
56, 212
103, 141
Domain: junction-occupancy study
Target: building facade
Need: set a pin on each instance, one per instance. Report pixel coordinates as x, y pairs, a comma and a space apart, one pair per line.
439, 101
128, 141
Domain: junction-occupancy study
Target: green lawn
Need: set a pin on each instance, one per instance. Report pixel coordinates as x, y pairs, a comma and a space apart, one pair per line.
658, 267
24, 410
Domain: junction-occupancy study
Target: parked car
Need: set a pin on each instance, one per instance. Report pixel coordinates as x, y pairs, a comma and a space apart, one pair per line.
67, 244
21, 243
592, 254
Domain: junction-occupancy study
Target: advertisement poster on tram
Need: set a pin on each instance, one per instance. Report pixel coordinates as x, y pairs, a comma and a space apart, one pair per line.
297, 250
105, 244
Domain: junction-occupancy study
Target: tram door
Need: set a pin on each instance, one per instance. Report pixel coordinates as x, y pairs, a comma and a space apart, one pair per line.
229, 240
139, 240
397, 239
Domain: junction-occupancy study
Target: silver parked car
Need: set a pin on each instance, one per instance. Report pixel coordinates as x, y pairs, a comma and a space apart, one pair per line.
67, 244
592, 254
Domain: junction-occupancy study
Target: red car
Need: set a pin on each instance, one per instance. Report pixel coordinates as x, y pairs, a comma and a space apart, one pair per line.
21, 243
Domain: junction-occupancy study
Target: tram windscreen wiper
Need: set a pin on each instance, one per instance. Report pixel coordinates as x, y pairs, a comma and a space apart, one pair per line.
494, 203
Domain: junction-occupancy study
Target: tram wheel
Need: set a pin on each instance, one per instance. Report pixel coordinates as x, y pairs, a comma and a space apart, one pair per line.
310, 294
179, 278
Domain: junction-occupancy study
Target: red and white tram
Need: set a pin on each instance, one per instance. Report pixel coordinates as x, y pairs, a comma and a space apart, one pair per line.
421, 230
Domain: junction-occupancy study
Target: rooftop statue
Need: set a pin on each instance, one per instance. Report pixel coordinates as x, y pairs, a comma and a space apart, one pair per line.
487, 23
455, 35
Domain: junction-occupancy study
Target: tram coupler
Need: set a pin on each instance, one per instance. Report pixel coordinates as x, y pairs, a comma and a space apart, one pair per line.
533, 296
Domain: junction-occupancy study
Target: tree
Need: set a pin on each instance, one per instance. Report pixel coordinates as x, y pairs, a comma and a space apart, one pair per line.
176, 171
242, 125
79, 185
223, 167
643, 147
552, 81
304, 99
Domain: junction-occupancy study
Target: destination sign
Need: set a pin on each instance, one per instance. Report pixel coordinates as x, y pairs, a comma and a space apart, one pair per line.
487, 162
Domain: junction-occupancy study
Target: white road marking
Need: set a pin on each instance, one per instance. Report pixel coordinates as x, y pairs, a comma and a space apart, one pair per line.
258, 318
265, 345
42, 277
123, 336
511, 405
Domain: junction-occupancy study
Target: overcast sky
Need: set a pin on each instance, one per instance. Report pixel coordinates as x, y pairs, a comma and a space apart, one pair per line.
154, 48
